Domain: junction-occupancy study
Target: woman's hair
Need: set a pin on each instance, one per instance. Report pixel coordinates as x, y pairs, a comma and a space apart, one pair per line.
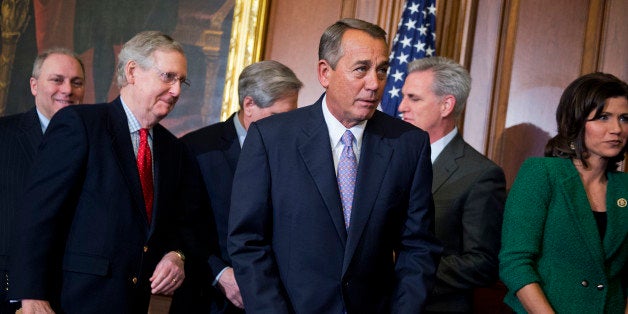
586, 94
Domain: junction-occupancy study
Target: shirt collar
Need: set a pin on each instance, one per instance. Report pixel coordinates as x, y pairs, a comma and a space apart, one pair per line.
240, 131
438, 146
336, 129
134, 124
43, 121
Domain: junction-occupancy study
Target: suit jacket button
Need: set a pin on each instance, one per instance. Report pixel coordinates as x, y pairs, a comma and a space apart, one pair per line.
600, 287
584, 283
134, 280
145, 248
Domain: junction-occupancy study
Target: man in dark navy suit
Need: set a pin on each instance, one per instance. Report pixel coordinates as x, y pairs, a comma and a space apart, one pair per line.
99, 227
57, 81
329, 192
265, 88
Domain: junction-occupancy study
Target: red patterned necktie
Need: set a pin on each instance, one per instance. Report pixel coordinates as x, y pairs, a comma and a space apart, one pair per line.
145, 167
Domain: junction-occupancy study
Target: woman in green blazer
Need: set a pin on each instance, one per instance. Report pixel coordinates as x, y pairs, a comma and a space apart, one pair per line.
565, 231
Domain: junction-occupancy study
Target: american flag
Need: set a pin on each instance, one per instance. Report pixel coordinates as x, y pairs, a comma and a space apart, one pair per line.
415, 39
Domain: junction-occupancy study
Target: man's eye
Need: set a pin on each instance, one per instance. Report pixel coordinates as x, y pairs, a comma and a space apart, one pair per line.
57, 80
77, 84
171, 76
382, 73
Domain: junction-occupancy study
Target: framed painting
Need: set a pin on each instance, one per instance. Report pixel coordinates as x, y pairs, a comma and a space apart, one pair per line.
220, 37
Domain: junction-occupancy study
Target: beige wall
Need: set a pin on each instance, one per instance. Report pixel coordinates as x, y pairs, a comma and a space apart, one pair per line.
521, 55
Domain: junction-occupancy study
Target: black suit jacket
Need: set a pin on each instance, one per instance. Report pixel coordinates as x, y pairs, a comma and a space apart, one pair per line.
287, 237
215, 149
20, 134
84, 242
469, 195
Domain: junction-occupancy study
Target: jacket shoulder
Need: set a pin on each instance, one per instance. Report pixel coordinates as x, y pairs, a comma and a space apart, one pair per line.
202, 134
478, 160
9, 123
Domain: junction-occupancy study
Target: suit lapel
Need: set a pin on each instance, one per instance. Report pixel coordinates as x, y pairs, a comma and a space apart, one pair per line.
123, 150
374, 160
579, 209
315, 149
30, 127
446, 163
617, 214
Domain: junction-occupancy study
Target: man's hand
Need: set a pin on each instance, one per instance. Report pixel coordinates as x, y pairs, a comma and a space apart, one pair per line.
229, 287
168, 274
30, 306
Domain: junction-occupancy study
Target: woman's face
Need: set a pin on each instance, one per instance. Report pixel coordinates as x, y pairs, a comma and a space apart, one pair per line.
606, 135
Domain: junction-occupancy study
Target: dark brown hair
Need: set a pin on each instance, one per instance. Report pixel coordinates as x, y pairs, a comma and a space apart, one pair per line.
586, 94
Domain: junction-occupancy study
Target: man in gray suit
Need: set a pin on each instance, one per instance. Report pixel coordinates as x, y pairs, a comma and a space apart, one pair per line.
57, 81
468, 189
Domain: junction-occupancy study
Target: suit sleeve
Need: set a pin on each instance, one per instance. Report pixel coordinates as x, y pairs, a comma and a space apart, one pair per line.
250, 230
522, 231
418, 250
201, 232
482, 214
200, 241
47, 208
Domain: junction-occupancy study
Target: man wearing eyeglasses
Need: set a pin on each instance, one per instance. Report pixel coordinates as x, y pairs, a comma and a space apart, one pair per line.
98, 223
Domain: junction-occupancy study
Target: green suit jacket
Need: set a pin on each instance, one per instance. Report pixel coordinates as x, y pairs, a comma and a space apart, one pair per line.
550, 236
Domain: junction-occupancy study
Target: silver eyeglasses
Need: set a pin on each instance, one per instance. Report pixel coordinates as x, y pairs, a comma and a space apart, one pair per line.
171, 78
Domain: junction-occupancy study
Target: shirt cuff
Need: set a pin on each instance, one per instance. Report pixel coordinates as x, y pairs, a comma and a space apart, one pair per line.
218, 276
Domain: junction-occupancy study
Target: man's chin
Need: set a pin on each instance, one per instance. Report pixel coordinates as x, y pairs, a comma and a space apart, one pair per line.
162, 112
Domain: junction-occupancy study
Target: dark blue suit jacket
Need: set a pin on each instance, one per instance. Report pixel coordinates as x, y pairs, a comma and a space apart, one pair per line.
287, 238
84, 242
215, 149
20, 134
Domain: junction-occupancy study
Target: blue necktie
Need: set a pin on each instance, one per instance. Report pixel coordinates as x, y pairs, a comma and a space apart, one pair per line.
347, 170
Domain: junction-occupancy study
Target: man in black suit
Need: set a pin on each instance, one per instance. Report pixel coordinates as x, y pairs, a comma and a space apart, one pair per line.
327, 193
469, 189
57, 81
265, 88
99, 225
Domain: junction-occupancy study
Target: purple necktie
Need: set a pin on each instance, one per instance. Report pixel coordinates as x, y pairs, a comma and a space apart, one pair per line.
347, 170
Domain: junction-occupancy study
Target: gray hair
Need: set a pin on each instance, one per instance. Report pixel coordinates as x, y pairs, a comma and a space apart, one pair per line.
140, 49
450, 78
266, 82
330, 48
39, 61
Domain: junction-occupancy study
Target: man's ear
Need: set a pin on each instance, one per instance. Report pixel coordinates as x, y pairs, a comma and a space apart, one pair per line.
129, 71
324, 69
448, 103
33, 83
247, 105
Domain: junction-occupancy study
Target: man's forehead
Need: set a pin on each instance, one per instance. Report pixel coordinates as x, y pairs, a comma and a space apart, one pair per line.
57, 64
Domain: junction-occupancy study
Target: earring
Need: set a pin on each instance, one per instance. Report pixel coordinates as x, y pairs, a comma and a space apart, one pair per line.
572, 145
